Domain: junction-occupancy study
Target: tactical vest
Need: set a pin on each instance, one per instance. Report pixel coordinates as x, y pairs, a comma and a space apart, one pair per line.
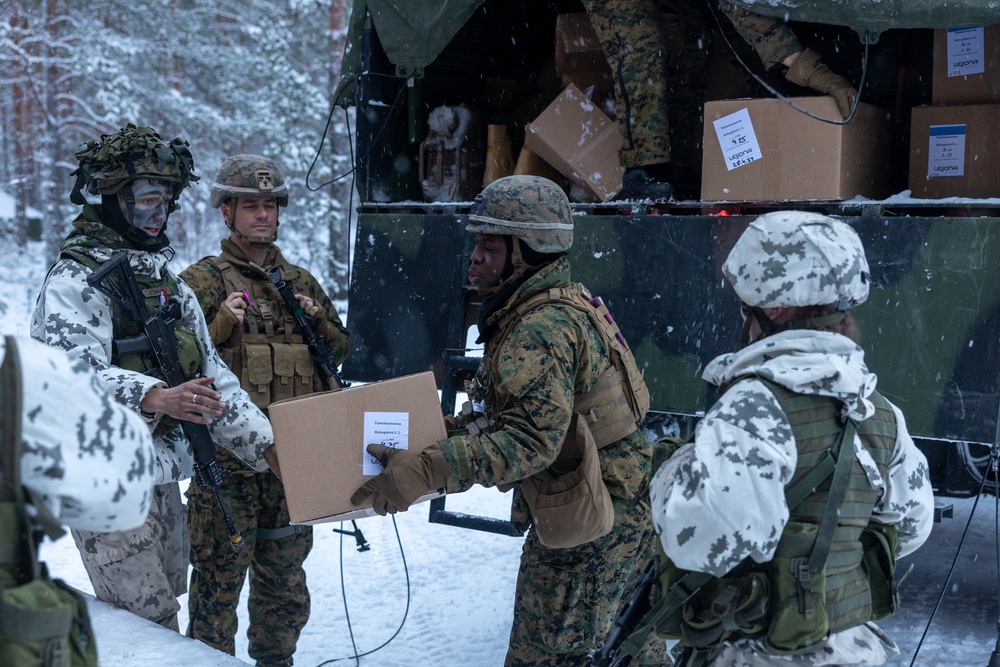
157, 292
782, 603
569, 502
43, 622
617, 403
267, 353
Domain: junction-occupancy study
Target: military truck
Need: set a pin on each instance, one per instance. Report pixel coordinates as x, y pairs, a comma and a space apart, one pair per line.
931, 325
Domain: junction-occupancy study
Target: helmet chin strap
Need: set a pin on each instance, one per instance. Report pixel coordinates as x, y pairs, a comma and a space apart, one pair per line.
252, 241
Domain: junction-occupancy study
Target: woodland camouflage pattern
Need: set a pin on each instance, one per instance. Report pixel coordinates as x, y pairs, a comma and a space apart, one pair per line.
744, 449
249, 176
75, 317
532, 208
794, 258
658, 54
771, 38
86, 457
551, 355
279, 599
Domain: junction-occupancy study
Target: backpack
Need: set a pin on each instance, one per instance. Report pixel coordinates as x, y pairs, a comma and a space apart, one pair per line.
43, 621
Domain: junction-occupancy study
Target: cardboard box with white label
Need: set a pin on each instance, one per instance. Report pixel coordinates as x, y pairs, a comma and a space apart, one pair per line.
321, 440
765, 150
955, 151
966, 65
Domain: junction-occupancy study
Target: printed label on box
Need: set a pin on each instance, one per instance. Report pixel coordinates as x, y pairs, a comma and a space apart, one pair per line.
737, 139
946, 151
966, 51
391, 429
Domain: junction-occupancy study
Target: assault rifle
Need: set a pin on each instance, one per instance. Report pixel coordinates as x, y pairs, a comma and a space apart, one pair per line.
628, 620
116, 280
318, 350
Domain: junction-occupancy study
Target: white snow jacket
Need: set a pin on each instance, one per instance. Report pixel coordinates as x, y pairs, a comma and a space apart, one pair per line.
720, 498
75, 317
85, 456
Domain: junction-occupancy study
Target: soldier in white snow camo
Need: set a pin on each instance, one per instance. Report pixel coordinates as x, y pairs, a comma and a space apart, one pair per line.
720, 499
88, 458
139, 176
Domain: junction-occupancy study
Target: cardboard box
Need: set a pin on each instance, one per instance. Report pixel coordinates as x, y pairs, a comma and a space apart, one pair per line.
321, 439
966, 65
774, 152
579, 57
955, 151
580, 141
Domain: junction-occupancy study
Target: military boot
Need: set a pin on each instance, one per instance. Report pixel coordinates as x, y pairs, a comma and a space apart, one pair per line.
646, 182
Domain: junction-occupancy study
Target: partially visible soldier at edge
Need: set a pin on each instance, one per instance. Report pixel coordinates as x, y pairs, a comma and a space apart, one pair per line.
552, 355
69, 455
262, 344
721, 499
139, 177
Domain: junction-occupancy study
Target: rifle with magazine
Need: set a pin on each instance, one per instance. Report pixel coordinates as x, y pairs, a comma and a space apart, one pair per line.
318, 350
116, 280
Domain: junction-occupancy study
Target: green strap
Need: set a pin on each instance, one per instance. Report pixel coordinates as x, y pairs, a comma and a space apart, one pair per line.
10, 440
835, 498
795, 493
32, 625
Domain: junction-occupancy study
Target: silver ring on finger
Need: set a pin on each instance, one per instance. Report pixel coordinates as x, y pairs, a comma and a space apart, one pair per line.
194, 398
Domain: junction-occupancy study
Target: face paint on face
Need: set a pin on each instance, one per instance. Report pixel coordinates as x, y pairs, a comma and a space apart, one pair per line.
151, 208
487, 261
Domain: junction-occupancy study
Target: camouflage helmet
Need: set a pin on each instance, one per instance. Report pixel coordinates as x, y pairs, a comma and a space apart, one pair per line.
794, 258
130, 154
249, 176
530, 208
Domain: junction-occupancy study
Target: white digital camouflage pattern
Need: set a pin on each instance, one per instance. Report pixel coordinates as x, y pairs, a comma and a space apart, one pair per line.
86, 457
75, 317
795, 258
720, 498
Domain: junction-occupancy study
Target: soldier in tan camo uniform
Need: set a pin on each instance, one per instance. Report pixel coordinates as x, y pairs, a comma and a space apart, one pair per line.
557, 381
138, 177
658, 54
260, 341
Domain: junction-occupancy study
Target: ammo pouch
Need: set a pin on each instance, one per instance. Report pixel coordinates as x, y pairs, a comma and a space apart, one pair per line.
44, 623
879, 543
799, 619
573, 508
271, 372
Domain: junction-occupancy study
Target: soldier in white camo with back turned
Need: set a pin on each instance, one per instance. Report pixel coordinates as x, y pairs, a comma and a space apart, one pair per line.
720, 499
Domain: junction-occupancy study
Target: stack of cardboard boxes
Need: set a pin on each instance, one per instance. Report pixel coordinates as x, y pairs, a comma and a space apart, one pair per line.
573, 134
955, 142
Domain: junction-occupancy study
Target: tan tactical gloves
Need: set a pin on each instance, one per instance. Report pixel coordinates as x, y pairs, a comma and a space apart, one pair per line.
810, 72
407, 476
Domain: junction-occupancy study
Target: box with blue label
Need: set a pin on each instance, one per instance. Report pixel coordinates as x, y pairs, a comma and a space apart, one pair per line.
955, 151
966, 65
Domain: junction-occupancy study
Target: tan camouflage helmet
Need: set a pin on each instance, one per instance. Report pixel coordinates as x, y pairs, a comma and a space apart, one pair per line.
530, 208
131, 153
249, 176
794, 258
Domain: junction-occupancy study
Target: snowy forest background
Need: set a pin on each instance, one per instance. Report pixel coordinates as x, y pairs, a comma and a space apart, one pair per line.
229, 77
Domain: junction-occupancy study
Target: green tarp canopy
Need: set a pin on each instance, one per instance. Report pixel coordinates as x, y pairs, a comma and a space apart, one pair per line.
876, 16
413, 33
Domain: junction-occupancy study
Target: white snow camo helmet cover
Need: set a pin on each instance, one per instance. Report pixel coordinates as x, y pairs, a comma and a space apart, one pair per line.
795, 258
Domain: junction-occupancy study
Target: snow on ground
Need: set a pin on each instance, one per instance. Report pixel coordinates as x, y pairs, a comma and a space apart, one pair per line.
462, 588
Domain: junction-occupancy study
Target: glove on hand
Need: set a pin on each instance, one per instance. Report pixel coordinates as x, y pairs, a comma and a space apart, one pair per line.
407, 476
809, 71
